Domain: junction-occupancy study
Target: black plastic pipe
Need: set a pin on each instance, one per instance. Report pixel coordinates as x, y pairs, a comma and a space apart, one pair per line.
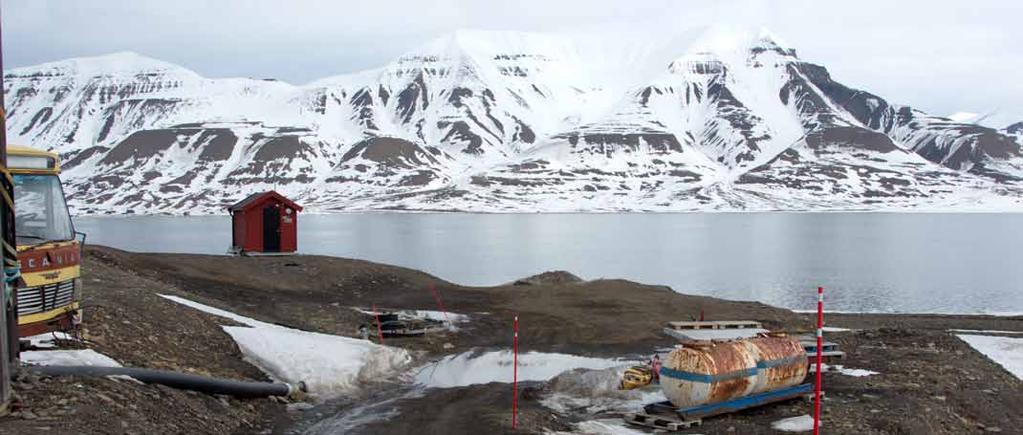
184, 381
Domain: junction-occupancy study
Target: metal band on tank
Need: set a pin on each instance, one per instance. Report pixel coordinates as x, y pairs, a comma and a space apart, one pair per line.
747, 401
780, 362
701, 377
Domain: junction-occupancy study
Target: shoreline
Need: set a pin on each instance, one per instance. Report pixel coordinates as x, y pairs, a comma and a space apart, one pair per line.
584, 212
912, 313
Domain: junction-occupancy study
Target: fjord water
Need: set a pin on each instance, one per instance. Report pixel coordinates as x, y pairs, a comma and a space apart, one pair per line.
884, 262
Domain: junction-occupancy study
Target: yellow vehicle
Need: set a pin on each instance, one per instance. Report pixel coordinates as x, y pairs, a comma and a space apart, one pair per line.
50, 291
636, 377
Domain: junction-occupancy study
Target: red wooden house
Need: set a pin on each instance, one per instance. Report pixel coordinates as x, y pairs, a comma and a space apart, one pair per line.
264, 224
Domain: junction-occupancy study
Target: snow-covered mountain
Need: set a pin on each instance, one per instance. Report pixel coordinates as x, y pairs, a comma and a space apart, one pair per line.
501, 121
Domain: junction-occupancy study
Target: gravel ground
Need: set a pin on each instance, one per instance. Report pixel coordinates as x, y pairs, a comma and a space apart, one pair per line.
929, 383
127, 321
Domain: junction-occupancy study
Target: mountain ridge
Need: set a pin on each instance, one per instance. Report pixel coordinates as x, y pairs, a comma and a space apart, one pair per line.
491, 121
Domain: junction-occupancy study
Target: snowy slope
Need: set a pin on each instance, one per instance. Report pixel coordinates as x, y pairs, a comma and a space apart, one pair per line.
1006, 351
1016, 131
329, 365
507, 121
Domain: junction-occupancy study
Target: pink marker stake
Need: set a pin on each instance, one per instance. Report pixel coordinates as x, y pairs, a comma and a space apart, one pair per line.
440, 303
820, 353
515, 372
380, 330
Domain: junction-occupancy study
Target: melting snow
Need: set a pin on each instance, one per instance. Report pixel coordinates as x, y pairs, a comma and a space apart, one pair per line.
602, 427
984, 331
328, 364
46, 341
596, 391
218, 312
362, 414
802, 423
471, 368
835, 329
1006, 351
858, 373
77, 357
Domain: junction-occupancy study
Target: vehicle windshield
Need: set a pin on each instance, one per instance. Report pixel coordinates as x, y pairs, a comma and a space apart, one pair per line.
41, 213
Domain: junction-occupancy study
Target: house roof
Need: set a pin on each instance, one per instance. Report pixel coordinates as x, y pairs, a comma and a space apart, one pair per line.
258, 197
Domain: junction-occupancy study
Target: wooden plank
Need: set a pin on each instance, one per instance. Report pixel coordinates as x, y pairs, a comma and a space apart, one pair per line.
714, 324
666, 423
832, 354
713, 334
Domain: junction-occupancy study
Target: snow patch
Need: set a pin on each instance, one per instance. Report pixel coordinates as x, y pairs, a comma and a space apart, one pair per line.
984, 331
1006, 351
472, 368
963, 116
77, 357
835, 329
48, 340
328, 364
802, 423
219, 313
857, 373
596, 391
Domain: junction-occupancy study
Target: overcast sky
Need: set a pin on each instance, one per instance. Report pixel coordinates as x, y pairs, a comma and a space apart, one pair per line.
942, 57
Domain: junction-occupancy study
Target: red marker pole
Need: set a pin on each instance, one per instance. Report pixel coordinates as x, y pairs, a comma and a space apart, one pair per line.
515, 373
440, 303
820, 357
380, 331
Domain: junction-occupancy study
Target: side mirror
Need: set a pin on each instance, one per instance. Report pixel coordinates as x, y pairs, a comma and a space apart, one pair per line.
80, 237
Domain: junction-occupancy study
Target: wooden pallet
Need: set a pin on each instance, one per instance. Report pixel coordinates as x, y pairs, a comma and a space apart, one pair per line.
830, 350
658, 422
811, 345
715, 324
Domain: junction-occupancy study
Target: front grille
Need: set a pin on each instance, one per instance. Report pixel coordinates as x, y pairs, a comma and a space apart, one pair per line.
48, 297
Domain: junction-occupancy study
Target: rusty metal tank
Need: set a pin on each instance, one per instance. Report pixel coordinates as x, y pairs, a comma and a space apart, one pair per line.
700, 373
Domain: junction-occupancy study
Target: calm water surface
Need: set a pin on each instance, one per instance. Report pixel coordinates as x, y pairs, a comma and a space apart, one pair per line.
866, 261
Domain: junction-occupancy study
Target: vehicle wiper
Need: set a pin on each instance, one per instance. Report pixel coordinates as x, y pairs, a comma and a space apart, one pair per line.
34, 237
